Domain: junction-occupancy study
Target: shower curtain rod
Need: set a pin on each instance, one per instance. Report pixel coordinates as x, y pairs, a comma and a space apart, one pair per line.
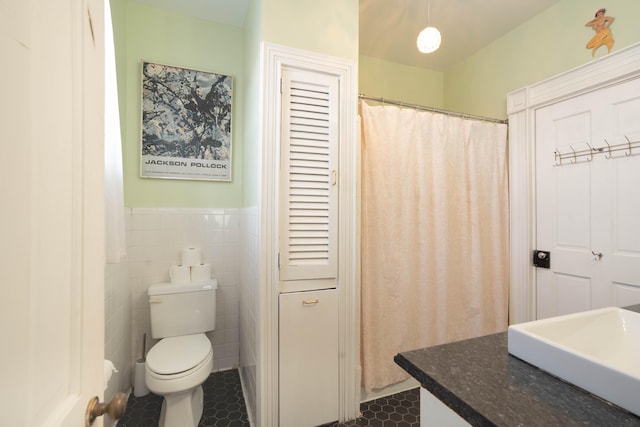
432, 109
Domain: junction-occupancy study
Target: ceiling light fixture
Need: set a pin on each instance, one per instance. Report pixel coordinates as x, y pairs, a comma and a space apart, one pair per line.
429, 38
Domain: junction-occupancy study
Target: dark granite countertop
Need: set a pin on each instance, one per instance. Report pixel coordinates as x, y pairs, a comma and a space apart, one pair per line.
486, 386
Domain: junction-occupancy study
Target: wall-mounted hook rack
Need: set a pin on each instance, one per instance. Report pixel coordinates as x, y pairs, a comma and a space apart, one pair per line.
589, 152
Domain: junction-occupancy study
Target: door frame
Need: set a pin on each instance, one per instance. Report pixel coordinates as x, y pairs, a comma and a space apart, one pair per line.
275, 58
522, 104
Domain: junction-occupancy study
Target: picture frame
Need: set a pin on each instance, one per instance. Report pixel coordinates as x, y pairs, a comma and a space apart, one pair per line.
186, 123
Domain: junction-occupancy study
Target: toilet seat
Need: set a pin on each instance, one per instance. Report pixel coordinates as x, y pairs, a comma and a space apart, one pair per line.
174, 356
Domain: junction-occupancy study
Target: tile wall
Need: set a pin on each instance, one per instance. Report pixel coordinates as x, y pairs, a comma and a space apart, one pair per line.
155, 238
249, 300
117, 325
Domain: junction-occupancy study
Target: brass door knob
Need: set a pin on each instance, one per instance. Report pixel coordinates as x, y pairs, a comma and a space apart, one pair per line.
115, 408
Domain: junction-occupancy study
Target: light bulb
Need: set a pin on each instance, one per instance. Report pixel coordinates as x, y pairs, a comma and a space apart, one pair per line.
429, 40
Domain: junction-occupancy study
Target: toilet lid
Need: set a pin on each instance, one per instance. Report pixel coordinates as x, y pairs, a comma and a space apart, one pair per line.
178, 354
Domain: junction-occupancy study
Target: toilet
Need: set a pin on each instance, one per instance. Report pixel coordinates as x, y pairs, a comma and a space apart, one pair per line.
182, 360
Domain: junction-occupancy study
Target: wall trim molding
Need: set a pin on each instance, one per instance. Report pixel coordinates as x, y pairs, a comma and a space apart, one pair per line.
612, 69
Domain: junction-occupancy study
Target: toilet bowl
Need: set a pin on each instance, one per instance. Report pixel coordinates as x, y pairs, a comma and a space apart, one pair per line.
175, 368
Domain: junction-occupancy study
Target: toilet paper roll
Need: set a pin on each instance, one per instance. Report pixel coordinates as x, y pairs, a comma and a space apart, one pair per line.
109, 369
180, 274
191, 256
139, 384
200, 272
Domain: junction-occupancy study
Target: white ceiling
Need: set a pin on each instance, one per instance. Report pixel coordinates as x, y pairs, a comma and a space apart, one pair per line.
388, 28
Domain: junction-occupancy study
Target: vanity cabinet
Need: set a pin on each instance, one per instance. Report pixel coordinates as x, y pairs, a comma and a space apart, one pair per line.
435, 413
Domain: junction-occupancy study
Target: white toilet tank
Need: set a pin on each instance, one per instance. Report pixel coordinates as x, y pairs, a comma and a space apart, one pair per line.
182, 309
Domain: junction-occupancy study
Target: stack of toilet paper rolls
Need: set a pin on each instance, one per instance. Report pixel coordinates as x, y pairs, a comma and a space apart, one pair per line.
191, 268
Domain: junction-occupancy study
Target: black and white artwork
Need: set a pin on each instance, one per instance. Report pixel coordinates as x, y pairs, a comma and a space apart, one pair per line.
186, 123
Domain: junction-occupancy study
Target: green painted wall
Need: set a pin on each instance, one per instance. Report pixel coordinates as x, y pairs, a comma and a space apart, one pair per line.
251, 120
329, 27
156, 35
145, 33
550, 43
414, 85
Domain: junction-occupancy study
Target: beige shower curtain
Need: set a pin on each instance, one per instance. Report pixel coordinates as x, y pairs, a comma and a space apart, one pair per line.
435, 228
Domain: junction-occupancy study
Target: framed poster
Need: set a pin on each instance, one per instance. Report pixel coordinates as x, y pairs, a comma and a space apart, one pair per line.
186, 123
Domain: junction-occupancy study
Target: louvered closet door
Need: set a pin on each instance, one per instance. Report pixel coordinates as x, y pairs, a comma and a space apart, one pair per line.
308, 211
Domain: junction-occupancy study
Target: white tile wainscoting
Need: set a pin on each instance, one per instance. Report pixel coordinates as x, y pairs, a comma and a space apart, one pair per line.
155, 237
117, 329
249, 299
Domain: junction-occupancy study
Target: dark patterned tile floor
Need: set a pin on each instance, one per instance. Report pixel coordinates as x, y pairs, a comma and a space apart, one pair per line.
224, 407
397, 410
223, 404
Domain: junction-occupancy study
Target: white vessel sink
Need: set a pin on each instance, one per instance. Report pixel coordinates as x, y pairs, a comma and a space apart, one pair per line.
597, 350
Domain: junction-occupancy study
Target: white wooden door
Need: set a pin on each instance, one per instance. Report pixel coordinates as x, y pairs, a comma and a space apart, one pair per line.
309, 359
52, 258
308, 200
588, 205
